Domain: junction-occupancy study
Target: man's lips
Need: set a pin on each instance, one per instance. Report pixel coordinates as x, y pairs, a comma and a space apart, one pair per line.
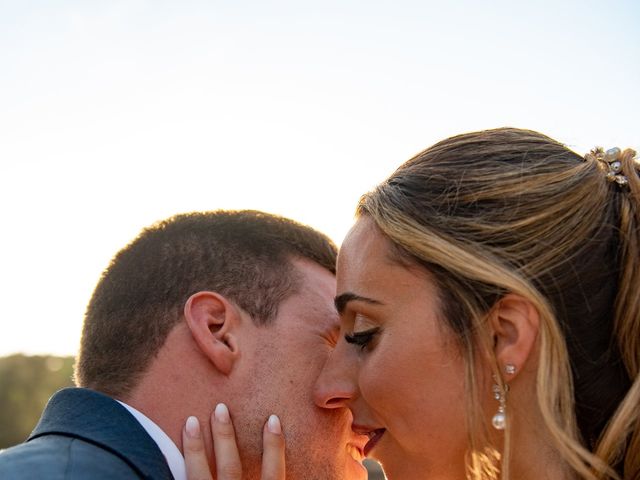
356, 452
373, 434
356, 447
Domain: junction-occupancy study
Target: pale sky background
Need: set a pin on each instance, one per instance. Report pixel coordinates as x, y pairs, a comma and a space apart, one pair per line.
115, 114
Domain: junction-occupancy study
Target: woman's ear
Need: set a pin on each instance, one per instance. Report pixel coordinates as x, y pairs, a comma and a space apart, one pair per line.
515, 322
213, 322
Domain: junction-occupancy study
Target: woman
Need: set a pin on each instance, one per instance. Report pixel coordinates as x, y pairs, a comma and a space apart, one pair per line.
489, 295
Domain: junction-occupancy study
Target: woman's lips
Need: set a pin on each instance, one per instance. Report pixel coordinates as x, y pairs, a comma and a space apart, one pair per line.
374, 438
374, 435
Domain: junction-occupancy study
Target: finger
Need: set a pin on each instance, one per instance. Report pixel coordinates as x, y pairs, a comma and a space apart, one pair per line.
228, 466
273, 464
195, 457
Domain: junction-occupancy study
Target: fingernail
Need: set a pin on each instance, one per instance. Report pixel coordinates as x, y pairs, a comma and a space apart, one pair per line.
273, 425
222, 413
193, 427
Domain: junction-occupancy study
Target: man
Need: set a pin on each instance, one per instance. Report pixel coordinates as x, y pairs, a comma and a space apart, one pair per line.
200, 309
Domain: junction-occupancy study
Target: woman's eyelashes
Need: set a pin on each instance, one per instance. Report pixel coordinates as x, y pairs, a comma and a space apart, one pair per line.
362, 339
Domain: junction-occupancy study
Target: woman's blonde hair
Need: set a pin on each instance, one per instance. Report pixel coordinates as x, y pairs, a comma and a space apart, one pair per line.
511, 210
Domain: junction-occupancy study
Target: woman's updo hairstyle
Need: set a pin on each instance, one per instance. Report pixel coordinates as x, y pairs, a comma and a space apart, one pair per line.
511, 210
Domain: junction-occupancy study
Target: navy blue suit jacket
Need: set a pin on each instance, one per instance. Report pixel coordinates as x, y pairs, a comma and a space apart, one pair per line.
85, 434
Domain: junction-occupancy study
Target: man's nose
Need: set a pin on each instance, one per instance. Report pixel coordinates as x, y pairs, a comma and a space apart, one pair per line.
336, 386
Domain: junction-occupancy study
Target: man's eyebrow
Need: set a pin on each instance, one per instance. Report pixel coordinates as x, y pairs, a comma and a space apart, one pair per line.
342, 300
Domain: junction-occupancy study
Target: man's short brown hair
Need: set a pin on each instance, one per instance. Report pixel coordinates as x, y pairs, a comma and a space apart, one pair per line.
243, 255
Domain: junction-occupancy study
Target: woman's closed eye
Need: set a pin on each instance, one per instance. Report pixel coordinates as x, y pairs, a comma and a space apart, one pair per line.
363, 338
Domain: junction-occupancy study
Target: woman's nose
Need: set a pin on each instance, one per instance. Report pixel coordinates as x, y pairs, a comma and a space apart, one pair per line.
336, 386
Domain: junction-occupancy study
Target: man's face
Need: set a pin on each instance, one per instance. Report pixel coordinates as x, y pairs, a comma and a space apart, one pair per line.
279, 366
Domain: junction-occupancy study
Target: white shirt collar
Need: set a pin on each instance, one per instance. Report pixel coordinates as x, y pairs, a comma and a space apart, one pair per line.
166, 445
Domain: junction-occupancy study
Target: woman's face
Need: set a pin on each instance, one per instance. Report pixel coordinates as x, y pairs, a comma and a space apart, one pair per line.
396, 366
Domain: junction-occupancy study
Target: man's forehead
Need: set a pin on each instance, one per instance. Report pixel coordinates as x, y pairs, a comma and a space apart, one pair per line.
319, 306
314, 296
313, 277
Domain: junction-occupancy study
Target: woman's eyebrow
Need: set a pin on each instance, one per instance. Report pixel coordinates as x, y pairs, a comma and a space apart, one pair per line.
343, 299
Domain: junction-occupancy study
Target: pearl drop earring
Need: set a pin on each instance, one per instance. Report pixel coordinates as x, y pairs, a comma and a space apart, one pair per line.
499, 420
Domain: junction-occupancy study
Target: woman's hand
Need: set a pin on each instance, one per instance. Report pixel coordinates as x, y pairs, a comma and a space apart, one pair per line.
228, 466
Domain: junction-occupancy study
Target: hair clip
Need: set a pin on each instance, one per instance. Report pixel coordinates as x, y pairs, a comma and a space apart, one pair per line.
610, 162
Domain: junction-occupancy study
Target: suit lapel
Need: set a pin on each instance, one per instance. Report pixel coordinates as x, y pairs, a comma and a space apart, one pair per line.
98, 419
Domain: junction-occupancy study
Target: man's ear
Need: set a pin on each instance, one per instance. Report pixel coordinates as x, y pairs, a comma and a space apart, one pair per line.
212, 320
515, 322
